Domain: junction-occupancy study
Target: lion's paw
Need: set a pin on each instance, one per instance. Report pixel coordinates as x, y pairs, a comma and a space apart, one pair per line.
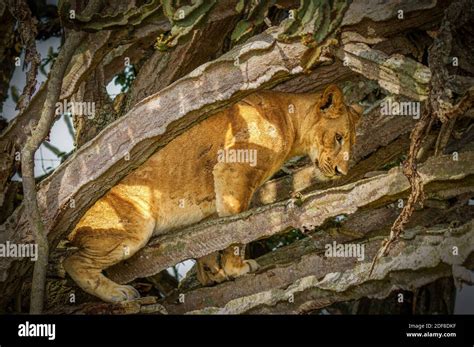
123, 293
252, 264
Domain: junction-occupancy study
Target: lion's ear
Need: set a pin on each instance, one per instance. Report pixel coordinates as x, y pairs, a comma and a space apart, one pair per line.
330, 103
355, 111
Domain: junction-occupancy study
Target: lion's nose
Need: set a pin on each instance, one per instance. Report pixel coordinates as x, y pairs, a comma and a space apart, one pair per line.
340, 172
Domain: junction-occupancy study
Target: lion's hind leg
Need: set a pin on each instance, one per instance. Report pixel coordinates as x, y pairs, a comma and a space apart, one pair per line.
98, 250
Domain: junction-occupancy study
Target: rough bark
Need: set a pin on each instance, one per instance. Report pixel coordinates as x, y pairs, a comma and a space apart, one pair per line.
145, 305
203, 45
92, 90
27, 31
397, 74
8, 51
154, 73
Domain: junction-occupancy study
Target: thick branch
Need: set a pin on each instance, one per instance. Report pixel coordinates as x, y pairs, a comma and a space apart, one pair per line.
397, 74
318, 281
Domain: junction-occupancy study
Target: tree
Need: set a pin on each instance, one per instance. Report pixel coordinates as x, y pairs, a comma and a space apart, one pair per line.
180, 63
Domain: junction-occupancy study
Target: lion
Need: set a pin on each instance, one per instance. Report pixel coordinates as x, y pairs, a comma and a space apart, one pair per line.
214, 168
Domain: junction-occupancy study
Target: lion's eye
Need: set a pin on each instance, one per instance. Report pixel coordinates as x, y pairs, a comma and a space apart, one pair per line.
339, 138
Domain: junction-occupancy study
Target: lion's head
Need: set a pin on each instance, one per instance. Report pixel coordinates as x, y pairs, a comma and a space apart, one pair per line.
332, 134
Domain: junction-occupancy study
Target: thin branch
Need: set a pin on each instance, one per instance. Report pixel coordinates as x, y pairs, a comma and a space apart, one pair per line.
33, 142
70, 128
416, 185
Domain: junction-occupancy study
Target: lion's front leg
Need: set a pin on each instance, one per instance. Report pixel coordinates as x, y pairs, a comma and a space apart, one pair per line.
223, 265
234, 264
234, 185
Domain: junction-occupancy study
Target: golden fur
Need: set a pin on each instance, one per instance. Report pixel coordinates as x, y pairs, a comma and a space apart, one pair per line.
188, 180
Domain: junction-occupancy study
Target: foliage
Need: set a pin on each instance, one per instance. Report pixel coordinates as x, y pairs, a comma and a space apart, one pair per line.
125, 78
96, 22
183, 19
254, 15
48, 61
